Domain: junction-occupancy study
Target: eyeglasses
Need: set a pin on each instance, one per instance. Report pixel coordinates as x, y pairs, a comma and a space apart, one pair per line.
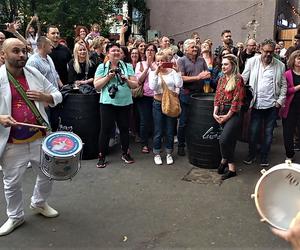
150, 50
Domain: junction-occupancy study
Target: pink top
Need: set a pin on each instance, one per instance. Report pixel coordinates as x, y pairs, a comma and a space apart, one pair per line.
283, 112
139, 69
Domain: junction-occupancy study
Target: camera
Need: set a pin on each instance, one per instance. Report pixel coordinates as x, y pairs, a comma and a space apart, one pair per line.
112, 90
116, 71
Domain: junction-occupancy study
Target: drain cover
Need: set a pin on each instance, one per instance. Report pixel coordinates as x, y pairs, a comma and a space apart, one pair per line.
203, 176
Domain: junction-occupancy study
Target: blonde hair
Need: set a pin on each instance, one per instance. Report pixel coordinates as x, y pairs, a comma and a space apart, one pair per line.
98, 43
76, 61
162, 55
169, 52
231, 84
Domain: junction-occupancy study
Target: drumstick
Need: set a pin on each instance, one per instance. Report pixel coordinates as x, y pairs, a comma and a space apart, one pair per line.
30, 125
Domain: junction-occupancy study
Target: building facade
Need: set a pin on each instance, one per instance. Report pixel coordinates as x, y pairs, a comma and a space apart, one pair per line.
245, 18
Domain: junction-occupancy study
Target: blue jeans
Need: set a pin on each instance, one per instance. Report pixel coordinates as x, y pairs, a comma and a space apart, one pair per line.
162, 125
144, 105
184, 103
259, 117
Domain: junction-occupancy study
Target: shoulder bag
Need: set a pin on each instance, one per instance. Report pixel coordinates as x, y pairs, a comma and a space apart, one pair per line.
170, 104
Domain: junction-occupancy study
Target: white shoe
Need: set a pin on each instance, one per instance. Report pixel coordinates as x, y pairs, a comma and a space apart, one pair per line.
112, 142
46, 210
29, 165
157, 160
0, 168
175, 139
10, 225
169, 159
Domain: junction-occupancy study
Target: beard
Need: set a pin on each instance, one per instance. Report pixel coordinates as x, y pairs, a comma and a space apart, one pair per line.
17, 63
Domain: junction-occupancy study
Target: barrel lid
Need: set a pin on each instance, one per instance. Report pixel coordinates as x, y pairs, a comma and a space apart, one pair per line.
62, 144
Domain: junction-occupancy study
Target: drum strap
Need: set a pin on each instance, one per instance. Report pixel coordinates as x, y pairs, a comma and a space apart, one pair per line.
30, 104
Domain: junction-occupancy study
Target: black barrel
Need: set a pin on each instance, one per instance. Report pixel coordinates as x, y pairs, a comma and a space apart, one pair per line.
202, 145
81, 111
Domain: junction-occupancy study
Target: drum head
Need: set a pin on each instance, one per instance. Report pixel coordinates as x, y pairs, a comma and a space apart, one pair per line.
277, 195
62, 144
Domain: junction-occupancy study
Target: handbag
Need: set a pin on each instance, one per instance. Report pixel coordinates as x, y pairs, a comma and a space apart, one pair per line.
170, 104
138, 92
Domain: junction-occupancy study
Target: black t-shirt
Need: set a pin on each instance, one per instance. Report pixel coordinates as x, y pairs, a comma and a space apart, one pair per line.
61, 55
296, 79
74, 76
243, 58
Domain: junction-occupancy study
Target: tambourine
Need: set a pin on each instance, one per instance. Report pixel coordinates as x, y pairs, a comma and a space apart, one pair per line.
277, 194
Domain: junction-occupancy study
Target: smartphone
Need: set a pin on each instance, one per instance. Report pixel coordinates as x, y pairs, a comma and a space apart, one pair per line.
167, 65
125, 22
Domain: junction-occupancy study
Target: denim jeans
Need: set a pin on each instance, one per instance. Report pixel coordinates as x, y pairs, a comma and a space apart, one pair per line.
259, 117
163, 125
144, 106
184, 103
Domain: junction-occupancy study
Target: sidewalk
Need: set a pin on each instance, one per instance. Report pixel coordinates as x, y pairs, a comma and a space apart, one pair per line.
143, 206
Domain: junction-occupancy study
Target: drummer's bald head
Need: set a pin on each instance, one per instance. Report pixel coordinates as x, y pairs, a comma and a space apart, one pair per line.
10, 42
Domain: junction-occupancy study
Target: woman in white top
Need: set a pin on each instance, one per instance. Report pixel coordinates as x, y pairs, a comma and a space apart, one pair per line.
163, 124
32, 34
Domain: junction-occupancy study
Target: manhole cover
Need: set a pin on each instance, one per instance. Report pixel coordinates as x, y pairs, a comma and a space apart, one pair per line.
203, 176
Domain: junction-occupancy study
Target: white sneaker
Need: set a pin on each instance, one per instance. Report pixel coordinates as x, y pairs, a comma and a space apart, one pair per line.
29, 165
169, 159
175, 139
46, 210
157, 160
112, 142
10, 225
0, 168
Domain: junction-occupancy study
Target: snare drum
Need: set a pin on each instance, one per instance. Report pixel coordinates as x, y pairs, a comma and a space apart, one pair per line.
61, 155
277, 195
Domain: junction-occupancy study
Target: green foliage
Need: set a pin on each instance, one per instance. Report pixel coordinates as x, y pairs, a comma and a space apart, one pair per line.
63, 13
66, 14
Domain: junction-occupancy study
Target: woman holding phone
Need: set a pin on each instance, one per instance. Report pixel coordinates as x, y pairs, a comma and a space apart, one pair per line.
163, 124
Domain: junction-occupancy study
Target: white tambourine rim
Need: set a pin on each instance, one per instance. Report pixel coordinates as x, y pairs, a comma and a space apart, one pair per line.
283, 166
47, 151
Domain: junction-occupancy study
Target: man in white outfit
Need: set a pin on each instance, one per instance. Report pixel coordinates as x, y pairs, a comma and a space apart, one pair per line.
21, 144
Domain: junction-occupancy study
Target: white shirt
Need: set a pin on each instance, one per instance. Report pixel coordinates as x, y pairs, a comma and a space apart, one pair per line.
173, 81
265, 88
282, 52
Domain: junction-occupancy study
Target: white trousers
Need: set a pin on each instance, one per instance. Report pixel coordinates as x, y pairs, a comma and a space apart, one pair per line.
14, 163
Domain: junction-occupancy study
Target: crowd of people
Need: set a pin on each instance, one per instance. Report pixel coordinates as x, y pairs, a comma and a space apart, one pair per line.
117, 69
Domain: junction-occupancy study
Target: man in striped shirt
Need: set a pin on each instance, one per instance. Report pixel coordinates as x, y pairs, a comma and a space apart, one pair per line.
43, 63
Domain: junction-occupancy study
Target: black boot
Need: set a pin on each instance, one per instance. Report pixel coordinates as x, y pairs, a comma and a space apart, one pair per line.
228, 175
222, 167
